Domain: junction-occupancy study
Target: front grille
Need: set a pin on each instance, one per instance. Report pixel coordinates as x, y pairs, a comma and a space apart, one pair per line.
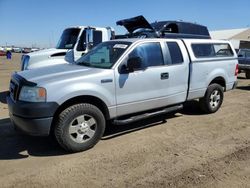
14, 88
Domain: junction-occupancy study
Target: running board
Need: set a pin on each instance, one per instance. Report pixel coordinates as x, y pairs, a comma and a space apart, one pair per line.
147, 115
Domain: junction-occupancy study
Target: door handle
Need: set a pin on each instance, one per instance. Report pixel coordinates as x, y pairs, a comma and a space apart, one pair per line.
164, 75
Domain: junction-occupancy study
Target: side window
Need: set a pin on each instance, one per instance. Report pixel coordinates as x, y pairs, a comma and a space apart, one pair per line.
150, 54
248, 54
223, 50
97, 38
242, 53
203, 50
212, 50
82, 42
175, 53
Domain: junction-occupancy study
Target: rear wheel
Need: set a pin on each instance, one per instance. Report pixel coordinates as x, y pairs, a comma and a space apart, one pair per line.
248, 74
79, 127
213, 98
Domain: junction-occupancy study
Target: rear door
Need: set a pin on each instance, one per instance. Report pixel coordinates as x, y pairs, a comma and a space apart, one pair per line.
158, 82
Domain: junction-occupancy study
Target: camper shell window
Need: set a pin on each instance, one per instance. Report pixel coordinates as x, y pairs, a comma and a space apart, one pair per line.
211, 50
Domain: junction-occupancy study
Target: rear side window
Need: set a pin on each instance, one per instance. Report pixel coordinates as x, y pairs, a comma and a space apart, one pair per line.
210, 50
150, 53
175, 53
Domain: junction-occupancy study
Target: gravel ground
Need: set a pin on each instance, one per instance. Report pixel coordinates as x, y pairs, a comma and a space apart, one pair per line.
186, 149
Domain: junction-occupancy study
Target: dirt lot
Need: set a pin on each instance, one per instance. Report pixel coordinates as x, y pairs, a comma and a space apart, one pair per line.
187, 149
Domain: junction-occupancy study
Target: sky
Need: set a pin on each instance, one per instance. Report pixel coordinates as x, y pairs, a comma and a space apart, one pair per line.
40, 22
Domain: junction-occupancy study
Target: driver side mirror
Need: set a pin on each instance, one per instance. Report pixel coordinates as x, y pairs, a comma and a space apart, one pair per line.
240, 55
134, 63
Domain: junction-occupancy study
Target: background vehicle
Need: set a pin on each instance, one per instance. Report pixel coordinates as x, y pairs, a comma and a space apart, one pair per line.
17, 50
75, 41
122, 81
244, 61
139, 27
25, 51
2, 52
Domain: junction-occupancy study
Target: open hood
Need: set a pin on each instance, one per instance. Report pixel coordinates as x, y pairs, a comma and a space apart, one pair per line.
131, 24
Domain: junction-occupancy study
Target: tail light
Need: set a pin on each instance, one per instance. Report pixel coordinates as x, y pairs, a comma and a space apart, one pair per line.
236, 70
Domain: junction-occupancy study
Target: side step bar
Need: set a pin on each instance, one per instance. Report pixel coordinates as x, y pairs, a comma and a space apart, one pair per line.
147, 115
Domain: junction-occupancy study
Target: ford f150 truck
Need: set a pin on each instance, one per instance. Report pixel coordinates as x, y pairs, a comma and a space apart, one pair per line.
244, 61
120, 81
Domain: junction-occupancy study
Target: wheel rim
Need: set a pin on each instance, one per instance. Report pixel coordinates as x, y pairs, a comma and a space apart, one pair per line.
82, 128
215, 99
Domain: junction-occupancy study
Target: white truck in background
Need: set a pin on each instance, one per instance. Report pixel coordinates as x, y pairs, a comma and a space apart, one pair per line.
73, 43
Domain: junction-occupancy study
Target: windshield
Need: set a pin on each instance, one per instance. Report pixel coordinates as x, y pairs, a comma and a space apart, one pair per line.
104, 55
68, 39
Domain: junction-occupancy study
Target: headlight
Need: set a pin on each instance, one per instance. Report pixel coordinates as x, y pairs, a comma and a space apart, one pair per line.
32, 94
25, 62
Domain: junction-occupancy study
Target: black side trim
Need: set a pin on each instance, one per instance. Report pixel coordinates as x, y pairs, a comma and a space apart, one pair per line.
147, 115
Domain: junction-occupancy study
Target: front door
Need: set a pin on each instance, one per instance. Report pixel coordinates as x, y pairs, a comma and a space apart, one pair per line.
150, 86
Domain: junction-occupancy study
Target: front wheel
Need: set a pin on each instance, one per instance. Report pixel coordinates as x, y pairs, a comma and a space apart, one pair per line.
79, 127
213, 98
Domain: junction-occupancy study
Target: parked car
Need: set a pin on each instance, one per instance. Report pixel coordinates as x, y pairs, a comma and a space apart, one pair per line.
244, 61
17, 50
2, 53
26, 50
121, 81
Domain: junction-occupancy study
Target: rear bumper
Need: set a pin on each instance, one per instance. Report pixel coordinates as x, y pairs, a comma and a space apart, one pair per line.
244, 67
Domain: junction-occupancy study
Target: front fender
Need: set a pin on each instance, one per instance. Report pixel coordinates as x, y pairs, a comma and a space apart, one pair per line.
105, 92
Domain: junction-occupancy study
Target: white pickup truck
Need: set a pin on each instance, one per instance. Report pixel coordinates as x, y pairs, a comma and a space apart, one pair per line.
74, 42
121, 81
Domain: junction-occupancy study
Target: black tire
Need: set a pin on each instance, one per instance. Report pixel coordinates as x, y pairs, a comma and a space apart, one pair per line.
213, 99
248, 74
79, 127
